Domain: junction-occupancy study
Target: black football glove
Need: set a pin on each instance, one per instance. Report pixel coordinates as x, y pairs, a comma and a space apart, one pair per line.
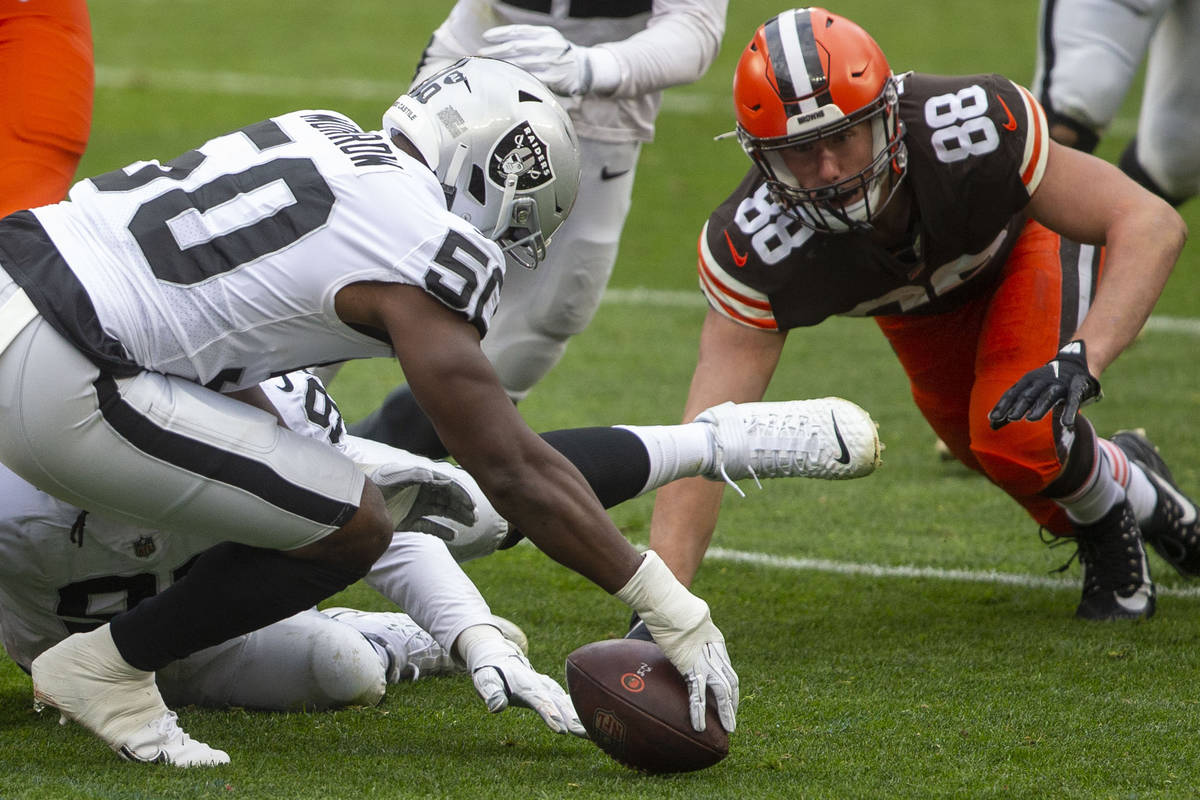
1065, 379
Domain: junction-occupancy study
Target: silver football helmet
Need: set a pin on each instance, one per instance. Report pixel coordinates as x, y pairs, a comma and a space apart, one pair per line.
503, 148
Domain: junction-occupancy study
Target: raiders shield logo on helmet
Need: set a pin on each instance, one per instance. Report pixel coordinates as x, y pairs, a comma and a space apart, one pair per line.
520, 152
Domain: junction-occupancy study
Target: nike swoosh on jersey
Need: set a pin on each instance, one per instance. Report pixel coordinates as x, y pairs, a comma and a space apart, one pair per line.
606, 175
1011, 125
844, 456
738, 258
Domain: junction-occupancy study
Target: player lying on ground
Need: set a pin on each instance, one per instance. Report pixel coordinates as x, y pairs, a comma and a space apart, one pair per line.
65, 570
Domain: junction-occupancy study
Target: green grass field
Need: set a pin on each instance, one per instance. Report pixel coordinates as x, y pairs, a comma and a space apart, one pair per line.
898, 636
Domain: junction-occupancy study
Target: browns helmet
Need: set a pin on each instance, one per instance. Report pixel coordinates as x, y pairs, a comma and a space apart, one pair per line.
808, 74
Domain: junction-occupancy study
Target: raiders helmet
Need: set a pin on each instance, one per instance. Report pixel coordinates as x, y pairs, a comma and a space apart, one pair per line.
808, 74
503, 148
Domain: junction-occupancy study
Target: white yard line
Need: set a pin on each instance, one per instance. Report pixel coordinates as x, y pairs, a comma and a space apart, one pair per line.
927, 573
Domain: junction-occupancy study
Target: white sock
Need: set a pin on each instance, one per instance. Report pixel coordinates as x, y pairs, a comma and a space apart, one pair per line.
1139, 490
675, 451
1099, 493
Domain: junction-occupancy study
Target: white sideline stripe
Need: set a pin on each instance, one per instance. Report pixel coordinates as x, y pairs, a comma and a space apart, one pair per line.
929, 573
680, 298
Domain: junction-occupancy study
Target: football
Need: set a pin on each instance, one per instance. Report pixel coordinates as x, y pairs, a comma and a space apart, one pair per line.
634, 705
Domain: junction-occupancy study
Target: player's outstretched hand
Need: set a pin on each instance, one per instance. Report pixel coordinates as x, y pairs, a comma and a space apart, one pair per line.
543, 52
1064, 379
682, 626
503, 677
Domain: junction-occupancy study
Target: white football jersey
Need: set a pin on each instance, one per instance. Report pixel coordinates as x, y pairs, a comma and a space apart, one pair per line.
221, 265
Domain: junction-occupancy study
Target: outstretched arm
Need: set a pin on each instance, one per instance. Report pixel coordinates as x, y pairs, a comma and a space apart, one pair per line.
735, 363
533, 485
1142, 236
529, 483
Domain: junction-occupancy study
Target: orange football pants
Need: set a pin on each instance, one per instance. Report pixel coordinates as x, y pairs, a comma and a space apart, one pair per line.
46, 82
959, 363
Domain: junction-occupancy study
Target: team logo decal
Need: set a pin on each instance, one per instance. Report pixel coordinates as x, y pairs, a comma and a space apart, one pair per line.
608, 727
632, 682
144, 547
520, 152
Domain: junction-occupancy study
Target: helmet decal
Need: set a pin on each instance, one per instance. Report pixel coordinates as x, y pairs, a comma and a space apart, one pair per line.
794, 59
502, 147
522, 153
807, 76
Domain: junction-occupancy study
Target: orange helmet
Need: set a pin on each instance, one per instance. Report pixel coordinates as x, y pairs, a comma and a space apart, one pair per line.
808, 74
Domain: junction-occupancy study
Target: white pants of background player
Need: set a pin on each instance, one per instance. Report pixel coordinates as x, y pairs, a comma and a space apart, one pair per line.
1088, 54
541, 309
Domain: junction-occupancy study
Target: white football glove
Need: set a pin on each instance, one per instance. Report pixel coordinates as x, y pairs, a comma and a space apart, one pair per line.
433, 497
681, 625
566, 68
503, 677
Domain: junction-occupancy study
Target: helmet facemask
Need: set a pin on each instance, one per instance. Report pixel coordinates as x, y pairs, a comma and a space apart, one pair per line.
854, 202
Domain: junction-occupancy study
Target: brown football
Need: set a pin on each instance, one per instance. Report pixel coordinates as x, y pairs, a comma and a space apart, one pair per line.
634, 704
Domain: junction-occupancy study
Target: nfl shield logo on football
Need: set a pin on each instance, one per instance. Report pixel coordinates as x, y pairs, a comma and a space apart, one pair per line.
520, 152
144, 547
609, 727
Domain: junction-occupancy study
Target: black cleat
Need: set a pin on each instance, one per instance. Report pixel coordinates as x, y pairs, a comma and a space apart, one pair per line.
1174, 528
1116, 576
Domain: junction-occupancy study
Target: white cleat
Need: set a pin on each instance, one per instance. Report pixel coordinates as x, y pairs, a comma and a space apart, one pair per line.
85, 678
827, 438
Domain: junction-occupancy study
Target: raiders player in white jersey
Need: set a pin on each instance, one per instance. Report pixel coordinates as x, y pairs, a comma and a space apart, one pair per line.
138, 317
64, 570
609, 64
1089, 52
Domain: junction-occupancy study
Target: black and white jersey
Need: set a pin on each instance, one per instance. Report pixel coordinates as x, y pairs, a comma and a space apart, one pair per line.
221, 266
977, 148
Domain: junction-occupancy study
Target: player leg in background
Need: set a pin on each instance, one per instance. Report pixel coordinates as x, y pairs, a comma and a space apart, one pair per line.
541, 309
1088, 52
46, 81
265, 491
1164, 157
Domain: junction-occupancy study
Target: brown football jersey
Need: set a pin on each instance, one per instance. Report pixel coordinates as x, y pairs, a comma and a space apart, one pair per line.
977, 148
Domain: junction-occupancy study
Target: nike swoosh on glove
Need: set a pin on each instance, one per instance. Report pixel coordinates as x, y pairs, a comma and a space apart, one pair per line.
1064, 379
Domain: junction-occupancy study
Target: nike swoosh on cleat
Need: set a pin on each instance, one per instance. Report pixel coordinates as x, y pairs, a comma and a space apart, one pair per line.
160, 757
1189, 514
844, 456
606, 175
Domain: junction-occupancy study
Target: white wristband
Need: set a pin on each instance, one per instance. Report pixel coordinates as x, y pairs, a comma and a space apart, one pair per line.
659, 598
606, 70
473, 638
